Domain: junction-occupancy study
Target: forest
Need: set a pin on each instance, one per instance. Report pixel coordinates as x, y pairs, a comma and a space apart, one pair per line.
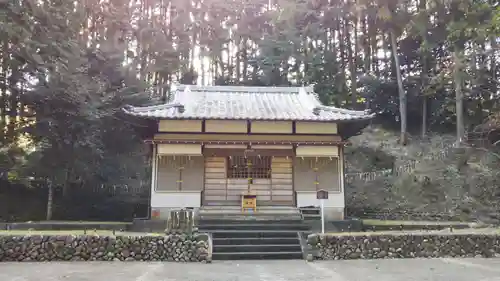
428, 68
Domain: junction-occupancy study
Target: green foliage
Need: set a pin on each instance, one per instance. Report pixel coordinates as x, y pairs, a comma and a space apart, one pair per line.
76, 93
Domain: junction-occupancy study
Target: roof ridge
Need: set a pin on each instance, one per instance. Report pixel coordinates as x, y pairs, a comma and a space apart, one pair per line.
137, 109
343, 110
243, 89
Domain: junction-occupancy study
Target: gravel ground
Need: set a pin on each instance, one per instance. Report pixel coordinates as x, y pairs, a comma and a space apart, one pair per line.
295, 270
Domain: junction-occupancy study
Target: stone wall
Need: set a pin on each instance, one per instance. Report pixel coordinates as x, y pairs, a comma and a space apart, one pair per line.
335, 247
171, 247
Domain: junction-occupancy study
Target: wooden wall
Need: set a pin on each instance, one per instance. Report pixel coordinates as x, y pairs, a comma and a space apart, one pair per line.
220, 190
179, 173
241, 126
319, 128
282, 180
180, 126
197, 173
275, 127
226, 126
215, 192
327, 174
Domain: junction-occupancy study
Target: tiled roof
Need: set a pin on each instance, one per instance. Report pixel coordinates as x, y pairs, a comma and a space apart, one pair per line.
249, 103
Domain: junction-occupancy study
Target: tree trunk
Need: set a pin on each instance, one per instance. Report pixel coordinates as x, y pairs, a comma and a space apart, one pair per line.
459, 95
366, 46
67, 181
458, 73
245, 61
493, 63
373, 42
306, 60
424, 115
386, 46
238, 61
50, 199
341, 37
425, 67
367, 53
401, 91
354, 69
351, 60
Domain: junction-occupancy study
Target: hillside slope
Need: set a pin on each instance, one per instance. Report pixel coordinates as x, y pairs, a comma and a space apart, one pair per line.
441, 183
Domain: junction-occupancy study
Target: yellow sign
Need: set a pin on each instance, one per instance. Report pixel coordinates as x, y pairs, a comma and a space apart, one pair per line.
248, 201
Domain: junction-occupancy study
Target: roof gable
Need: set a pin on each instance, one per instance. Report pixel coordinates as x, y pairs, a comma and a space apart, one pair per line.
249, 103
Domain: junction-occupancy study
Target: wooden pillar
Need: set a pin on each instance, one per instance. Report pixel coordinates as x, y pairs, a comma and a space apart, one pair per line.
154, 176
341, 168
342, 176
154, 168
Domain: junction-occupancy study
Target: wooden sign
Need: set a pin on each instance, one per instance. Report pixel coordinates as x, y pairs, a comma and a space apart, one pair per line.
322, 194
249, 201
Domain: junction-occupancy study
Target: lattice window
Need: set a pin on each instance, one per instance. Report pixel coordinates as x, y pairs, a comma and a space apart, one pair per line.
249, 167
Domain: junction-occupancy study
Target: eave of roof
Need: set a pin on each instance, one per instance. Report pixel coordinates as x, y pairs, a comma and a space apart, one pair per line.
247, 103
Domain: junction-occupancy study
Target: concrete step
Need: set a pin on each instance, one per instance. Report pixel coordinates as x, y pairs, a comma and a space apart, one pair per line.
259, 217
259, 209
270, 233
310, 213
257, 255
253, 226
211, 221
235, 211
254, 241
250, 212
253, 233
310, 210
248, 248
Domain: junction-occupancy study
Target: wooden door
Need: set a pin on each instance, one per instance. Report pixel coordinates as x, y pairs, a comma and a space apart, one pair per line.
215, 191
282, 181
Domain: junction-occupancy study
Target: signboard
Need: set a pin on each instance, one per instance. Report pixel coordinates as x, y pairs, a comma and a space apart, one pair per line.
322, 195
249, 202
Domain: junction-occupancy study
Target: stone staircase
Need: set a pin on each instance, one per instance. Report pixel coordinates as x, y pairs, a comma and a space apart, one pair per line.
269, 233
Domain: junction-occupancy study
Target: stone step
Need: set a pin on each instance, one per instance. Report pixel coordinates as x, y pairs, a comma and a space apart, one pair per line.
253, 217
270, 233
235, 211
211, 221
257, 255
240, 213
310, 210
257, 213
259, 208
254, 241
253, 226
253, 233
247, 248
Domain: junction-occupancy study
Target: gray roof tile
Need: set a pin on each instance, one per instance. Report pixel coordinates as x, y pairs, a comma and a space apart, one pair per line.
249, 103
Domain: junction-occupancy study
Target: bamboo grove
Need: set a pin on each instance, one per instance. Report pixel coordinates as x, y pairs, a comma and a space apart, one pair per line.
66, 67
